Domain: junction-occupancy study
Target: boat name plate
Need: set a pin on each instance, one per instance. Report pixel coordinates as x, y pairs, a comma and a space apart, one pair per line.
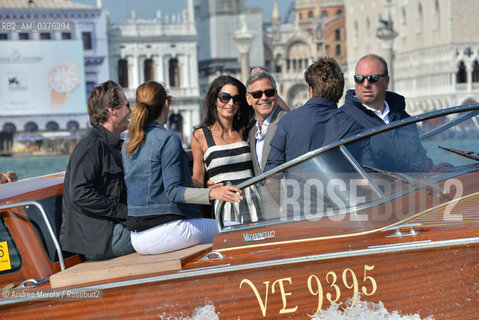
259, 236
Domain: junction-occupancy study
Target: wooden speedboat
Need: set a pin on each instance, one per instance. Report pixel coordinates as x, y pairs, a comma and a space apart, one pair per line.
329, 230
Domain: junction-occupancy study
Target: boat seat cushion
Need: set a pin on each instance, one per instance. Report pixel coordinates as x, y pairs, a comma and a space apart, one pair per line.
130, 265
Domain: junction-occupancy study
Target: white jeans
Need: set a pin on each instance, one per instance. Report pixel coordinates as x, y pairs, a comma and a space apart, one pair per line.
174, 235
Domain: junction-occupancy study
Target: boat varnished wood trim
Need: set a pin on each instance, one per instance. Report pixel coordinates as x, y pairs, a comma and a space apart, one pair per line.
129, 265
417, 215
195, 273
45, 220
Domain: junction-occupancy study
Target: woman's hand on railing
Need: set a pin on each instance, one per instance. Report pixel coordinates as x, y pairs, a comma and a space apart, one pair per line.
225, 193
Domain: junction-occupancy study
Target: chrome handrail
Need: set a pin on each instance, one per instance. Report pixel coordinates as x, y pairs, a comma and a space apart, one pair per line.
45, 218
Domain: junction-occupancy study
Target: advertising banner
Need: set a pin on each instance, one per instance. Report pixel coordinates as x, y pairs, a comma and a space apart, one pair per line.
42, 77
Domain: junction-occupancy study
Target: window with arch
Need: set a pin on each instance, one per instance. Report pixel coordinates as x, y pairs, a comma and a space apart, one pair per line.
73, 125
278, 61
475, 71
52, 126
87, 40
337, 34
45, 36
310, 14
9, 127
420, 19
324, 14
436, 17
148, 70
461, 76
174, 72
298, 54
123, 73
403, 23
339, 12
338, 50
31, 127
90, 85
175, 122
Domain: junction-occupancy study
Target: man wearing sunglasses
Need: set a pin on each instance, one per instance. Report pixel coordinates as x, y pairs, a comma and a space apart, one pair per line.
372, 105
269, 108
94, 191
319, 121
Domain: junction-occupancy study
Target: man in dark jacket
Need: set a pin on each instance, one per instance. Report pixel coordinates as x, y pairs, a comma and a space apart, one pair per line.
318, 122
372, 105
94, 192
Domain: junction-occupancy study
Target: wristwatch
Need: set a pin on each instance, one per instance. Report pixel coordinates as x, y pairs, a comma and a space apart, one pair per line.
62, 79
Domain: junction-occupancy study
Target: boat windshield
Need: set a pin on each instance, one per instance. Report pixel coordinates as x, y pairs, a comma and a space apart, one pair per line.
363, 175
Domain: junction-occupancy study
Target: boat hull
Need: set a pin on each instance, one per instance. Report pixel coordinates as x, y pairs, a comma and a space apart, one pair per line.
442, 282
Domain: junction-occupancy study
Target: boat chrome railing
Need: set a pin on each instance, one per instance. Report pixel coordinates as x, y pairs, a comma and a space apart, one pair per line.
471, 109
47, 223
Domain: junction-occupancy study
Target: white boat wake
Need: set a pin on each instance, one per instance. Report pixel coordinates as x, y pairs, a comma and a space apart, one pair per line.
362, 310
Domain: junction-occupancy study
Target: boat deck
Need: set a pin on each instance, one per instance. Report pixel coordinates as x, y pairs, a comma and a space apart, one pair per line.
130, 265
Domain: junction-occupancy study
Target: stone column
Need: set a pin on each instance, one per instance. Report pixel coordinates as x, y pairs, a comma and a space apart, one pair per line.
386, 34
141, 69
184, 70
132, 68
159, 69
243, 39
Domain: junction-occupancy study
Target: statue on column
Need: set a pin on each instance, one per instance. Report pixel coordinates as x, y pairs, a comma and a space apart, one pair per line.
158, 15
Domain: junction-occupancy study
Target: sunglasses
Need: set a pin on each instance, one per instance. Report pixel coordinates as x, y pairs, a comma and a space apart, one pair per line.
258, 94
226, 97
372, 78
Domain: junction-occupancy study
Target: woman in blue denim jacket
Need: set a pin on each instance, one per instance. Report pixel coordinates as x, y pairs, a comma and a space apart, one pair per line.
162, 214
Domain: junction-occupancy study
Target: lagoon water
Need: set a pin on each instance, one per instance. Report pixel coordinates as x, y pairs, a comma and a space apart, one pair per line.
32, 166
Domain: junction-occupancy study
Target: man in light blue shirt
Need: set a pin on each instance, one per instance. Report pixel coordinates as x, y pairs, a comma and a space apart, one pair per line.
269, 108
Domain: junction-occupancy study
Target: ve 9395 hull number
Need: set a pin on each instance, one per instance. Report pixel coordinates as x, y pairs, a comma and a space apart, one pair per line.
323, 287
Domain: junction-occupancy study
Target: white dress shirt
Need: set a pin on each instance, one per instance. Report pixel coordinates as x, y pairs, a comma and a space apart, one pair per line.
383, 115
261, 135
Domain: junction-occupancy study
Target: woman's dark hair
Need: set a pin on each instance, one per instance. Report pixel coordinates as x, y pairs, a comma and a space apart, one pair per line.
150, 100
210, 113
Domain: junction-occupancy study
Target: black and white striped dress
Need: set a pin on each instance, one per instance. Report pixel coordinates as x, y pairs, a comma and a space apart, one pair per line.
231, 163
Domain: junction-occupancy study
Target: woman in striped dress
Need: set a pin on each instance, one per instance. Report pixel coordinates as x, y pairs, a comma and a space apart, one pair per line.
220, 151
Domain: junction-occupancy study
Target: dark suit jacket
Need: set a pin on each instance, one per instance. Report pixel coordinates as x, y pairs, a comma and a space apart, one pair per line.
278, 113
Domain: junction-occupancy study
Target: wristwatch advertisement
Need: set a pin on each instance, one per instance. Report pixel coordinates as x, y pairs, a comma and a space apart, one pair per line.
62, 80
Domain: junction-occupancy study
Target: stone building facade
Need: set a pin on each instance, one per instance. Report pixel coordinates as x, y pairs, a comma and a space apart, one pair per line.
163, 49
318, 30
432, 48
89, 24
216, 23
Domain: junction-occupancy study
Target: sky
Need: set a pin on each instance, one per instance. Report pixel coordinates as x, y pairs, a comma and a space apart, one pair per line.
120, 10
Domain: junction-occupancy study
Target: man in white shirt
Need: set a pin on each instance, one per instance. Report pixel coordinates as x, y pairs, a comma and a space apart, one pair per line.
372, 105
269, 108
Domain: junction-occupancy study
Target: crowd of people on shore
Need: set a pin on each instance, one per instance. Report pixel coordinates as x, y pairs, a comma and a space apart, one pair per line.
140, 195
